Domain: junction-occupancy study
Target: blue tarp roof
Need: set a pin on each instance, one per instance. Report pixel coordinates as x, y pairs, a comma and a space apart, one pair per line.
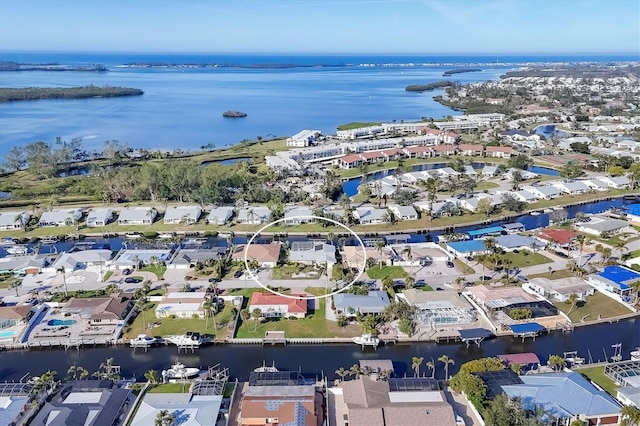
529, 327
485, 231
619, 275
633, 209
474, 333
467, 246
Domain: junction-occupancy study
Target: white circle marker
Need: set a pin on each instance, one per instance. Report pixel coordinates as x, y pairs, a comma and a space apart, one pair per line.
255, 278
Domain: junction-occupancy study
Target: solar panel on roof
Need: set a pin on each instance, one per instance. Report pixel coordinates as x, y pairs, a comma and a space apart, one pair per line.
474, 333
494, 380
408, 384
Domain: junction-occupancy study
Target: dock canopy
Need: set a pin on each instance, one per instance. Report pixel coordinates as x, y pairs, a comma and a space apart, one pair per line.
397, 238
521, 359
526, 328
474, 333
485, 231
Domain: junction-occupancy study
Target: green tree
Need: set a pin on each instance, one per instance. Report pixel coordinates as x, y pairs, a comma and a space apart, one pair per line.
520, 161
256, 314
152, 377
342, 373
15, 284
416, 362
573, 300
380, 245
557, 362
75, 372
354, 370
446, 361
407, 251
506, 412
630, 416
164, 418
431, 365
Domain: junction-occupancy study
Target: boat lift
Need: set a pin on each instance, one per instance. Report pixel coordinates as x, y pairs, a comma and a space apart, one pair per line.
529, 329
617, 352
474, 335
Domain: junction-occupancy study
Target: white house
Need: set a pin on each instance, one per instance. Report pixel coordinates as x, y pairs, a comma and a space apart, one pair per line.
561, 289
596, 225
276, 306
310, 253
13, 220
543, 192
220, 215
370, 215
80, 260
99, 217
182, 214
182, 305
297, 215
254, 215
137, 216
404, 212
303, 138
522, 195
596, 184
617, 182
61, 217
575, 187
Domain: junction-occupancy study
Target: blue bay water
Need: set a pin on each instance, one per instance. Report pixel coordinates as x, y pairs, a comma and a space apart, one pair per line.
182, 108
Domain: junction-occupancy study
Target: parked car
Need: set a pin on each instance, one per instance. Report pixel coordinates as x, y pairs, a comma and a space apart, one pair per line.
485, 278
214, 280
238, 274
450, 264
522, 278
126, 272
131, 280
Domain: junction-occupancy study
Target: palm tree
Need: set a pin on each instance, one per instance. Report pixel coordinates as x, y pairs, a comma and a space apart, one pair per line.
446, 361
256, 314
630, 416
416, 361
409, 282
620, 247
152, 377
431, 365
354, 370
166, 288
573, 299
209, 312
380, 245
557, 362
489, 244
140, 306
164, 418
407, 251
342, 373
635, 290
146, 286
384, 375
64, 279
107, 371
516, 368
15, 284
186, 288
76, 372
581, 240
45, 381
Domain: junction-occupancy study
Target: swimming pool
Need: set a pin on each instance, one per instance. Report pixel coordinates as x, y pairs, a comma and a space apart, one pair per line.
61, 322
7, 334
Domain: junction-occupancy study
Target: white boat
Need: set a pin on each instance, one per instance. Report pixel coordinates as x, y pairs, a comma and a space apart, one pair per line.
143, 341
265, 369
188, 339
166, 236
366, 340
179, 371
18, 249
51, 239
547, 210
133, 236
635, 355
7, 241
534, 214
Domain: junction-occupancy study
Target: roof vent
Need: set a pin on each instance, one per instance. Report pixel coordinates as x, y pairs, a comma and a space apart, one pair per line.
427, 411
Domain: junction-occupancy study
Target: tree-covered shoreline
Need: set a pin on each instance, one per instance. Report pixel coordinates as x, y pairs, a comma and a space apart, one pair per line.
82, 92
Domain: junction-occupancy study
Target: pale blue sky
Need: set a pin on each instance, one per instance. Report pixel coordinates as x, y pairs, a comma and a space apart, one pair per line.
322, 26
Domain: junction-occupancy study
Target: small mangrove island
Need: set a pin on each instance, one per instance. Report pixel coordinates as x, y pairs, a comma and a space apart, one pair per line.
83, 92
234, 114
460, 71
428, 87
16, 66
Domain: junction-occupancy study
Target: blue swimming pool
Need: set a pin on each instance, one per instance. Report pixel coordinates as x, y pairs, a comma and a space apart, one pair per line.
7, 334
61, 322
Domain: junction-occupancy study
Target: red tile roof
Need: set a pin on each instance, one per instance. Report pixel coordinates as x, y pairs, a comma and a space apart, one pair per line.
416, 149
444, 148
266, 299
499, 149
370, 155
470, 147
351, 158
560, 236
260, 252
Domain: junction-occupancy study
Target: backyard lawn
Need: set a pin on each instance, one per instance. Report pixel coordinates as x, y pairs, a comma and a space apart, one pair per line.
286, 272
596, 375
387, 271
526, 258
170, 388
598, 304
314, 325
554, 275
158, 269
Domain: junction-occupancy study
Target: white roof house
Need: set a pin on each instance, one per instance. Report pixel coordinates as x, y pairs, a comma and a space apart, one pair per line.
575, 187
303, 138
543, 192
404, 212
99, 217
617, 182
596, 184
312, 253
191, 409
182, 214
181, 304
80, 259
561, 289
489, 170
254, 215
524, 173
596, 225
13, 220
522, 195
295, 215
220, 215
137, 216
60, 217
370, 215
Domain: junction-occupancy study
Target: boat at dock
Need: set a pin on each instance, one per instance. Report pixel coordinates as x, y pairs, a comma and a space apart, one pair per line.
366, 340
166, 236
7, 241
573, 358
635, 355
143, 341
189, 339
266, 369
50, 239
179, 371
133, 236
18, 249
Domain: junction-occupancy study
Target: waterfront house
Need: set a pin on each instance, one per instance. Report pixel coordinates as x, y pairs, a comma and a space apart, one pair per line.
616, 280
370, 215
277, 306
632, 212
182, 214
101, 311
392, 402
99, 217
522, 195
349, 304
518, 242
354, 256
273, 404
254, 215
303, 138
497, 299
596, 184
419, 151
15, 401
470, 149
489, 171
189, 258
85, 403
312, 253
134, 258
466, 248
572, 187
360, 132
403, 212
80, 259
181, 304
617, 182
13, 220
508, 175
561, 289
195, 408
372, 157
23, 265
350, 161
137, 216
543, 192
438, 308
498, 151
629, 395
559, 239
297, 215
267, 255
11, 316
281, 162
220, 215
60, 217
566, 396
597, 225
442, 150
513, 228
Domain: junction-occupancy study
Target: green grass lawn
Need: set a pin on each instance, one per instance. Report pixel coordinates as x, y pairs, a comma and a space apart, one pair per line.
285, 272
554, 275
107, 275
598, 304
168, 326
526, 258
387, 271
158, 269
170, 388
596, 375
463, 267
314, 325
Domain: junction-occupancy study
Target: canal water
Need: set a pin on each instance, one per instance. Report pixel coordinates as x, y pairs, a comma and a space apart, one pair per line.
594, 341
